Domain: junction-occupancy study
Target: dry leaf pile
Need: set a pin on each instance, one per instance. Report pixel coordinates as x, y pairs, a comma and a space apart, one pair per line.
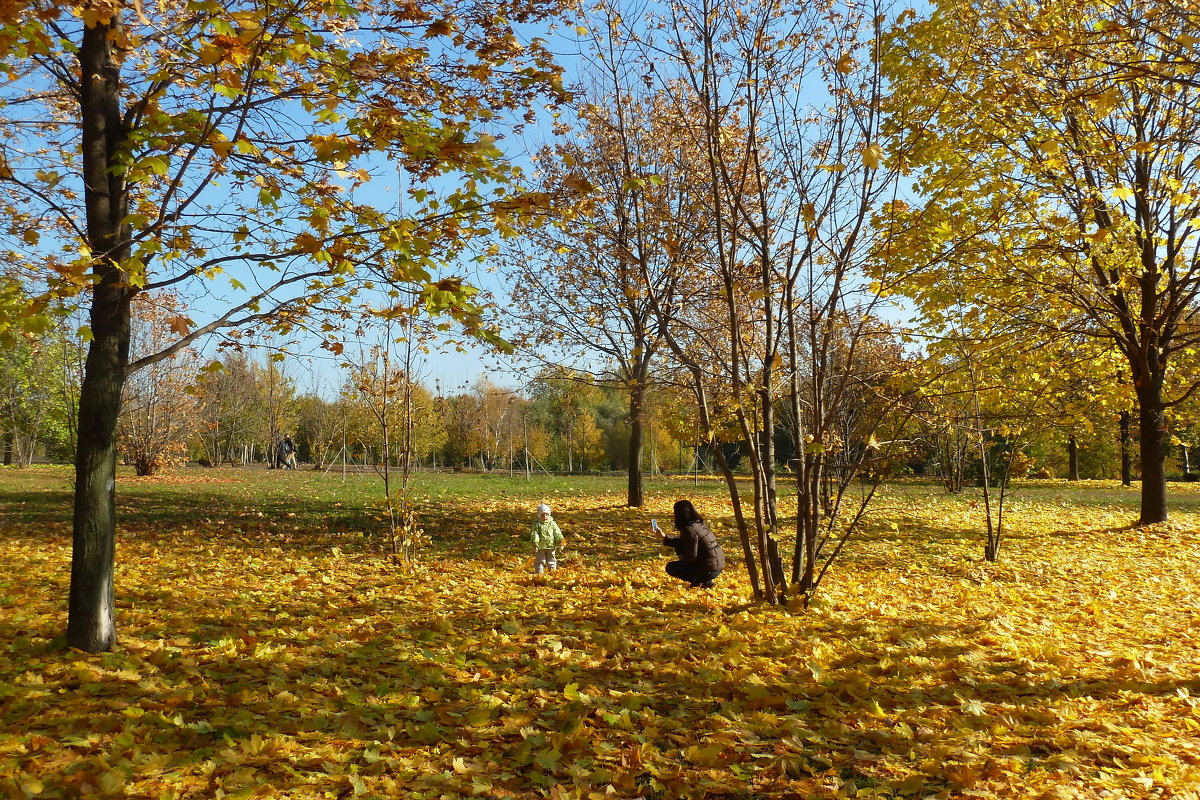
255, 663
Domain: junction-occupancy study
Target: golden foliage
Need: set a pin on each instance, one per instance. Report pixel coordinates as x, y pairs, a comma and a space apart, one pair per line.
257, 659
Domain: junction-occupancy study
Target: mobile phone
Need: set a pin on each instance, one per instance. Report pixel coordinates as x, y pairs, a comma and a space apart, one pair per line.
654, 524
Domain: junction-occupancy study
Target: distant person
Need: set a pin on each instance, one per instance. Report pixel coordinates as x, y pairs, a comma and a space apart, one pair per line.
546, 538
287, 453
700, 557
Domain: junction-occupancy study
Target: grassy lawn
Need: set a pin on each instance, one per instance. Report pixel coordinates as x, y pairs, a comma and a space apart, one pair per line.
268, 649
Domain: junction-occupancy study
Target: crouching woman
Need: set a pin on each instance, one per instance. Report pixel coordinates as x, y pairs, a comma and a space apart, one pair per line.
700, 557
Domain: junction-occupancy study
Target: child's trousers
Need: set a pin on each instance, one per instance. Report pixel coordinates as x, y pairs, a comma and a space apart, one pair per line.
544, 559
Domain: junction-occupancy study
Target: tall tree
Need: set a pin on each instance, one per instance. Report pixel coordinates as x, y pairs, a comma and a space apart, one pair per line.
318, 430
1055, 149
582, 287
383, 376
231, 416
32, 403
564, 405
167, 146
790, 179
158, 408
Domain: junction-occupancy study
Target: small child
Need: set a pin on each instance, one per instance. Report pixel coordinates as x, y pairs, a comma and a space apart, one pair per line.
546, 537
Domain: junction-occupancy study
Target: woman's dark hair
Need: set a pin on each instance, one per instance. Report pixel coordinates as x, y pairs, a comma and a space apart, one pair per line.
686, 514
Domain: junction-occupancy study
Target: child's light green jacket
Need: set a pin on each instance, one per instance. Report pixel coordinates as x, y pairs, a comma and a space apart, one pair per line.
546, 535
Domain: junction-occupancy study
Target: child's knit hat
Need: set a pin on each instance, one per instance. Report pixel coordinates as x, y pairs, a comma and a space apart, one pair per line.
543, 509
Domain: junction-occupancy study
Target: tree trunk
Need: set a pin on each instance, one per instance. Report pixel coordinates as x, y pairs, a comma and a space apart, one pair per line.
26, 449
1126, 459
91, 624
636, 496
654, 468
570, 450
1072, 458
740, 520
1152, 427
808, 514
767, 451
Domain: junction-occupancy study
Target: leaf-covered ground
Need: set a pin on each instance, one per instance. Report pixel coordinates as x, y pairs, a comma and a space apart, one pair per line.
266, 650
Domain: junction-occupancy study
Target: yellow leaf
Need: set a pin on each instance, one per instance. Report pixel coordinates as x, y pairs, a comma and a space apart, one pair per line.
441, 27
93, 16
579, 184
962, 776
307, 243
872, 156
211, 55
247, 20
705, 756
246, 147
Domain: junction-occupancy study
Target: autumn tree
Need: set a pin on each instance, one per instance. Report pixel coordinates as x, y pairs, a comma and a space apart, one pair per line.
582, 287
668, 410
561, 404
230, 417
495, 420
276, 389
1084, 399
1054, 149
158, 410
213, 149
465, 441
29, 401
975, 400
791, 181
39, 379
383, 377
69, 359
678, 420
318, 430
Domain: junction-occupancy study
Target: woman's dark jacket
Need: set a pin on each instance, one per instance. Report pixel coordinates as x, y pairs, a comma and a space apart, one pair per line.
697, 545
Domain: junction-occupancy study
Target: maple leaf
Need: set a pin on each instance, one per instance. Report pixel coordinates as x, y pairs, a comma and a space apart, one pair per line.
179, 324
872, 155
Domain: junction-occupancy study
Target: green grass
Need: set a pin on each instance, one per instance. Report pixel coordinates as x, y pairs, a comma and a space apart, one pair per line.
314, 509
318, 509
